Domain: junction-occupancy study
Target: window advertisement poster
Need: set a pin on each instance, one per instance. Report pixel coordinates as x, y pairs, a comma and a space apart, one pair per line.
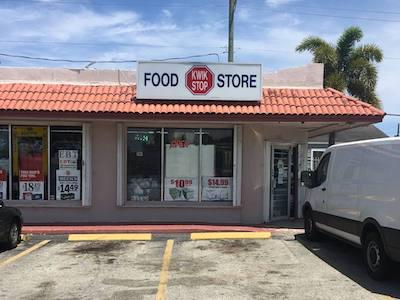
181, 160
181, 189
68, 159
3, 184
31, 185
30, 160
217, 188
68, 184
181, 171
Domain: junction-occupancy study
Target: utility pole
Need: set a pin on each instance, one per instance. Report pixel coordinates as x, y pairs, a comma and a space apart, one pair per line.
232, 7
398, 130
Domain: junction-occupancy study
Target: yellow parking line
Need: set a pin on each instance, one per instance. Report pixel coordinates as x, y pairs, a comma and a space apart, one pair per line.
23, 253
110, 237
162, 286
229, 235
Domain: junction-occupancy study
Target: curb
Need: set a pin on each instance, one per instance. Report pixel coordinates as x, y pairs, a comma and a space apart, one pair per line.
146, 236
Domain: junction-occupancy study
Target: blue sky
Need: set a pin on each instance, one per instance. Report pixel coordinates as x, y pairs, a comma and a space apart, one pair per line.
266, 31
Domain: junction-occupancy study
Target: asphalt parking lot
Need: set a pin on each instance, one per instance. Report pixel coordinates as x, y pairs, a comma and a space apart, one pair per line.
283, 267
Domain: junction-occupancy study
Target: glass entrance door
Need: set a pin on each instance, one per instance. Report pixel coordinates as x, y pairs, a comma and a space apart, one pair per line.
280, 182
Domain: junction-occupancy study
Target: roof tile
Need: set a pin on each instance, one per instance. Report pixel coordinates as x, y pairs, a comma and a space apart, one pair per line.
122, 99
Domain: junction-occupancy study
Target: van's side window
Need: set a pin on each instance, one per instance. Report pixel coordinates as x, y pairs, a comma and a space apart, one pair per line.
322, 171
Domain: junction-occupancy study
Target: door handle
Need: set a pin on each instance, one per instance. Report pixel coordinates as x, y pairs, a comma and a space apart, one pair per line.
323, 189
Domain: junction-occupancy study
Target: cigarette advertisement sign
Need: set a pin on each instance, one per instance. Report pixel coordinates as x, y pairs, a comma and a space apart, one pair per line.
3, 184
31, 185
199, 81
181, 189
217, 188
30, 160
68, 185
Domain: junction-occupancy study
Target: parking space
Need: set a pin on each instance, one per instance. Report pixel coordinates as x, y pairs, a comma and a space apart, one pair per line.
282, 267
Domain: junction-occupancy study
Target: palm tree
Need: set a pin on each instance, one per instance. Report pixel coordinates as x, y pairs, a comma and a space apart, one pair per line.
348, 68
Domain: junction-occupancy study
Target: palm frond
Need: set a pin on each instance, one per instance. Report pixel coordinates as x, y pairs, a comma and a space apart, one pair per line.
370, 52
311, 44
346, 43
362, 81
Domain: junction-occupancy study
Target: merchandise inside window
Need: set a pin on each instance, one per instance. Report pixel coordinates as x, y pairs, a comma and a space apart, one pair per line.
144, 164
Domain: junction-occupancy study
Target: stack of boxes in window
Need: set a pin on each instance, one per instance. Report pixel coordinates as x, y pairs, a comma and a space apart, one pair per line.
144, 189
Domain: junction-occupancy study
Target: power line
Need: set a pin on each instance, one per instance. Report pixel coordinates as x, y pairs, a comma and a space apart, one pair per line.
123, 4
106, 44
94, 61
239, 7
338, 16
161, 46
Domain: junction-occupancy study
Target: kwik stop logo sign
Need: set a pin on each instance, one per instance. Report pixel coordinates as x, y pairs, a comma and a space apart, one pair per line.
195, 81
199, 80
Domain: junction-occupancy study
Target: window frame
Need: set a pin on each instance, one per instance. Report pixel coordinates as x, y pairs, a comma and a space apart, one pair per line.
324, 160
122, 197
86, 184
313, 150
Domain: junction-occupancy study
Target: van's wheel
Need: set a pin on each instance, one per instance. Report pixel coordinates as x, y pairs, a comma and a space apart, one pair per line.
309, 226
14, 235
375, 257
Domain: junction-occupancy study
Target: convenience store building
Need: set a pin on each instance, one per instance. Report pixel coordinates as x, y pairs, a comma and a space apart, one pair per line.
101, 146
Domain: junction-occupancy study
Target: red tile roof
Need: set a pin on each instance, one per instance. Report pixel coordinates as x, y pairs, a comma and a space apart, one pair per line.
30, 97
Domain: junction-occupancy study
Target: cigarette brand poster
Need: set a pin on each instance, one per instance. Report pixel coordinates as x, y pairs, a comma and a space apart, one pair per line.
30, 160
181, 189
217, 188
68, 184
31, 185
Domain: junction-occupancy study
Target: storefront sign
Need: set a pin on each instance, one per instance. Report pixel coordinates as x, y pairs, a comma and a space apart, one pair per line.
3, 184
67, 159
181, 189
199, 81
31, 185
68, 184
217, 188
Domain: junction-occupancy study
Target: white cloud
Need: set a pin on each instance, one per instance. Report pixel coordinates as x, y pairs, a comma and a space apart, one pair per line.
277, 3
167, 13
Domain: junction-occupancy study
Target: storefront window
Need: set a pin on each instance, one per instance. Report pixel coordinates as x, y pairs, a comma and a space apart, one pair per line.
4, 162
29, 162
181, 148
65, 163
164, 164
144, 164
217, 165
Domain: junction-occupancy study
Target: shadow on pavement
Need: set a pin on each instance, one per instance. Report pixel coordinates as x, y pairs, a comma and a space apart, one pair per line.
289, 224
348, 261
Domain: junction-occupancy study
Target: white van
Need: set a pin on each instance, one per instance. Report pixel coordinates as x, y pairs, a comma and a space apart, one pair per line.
355, 195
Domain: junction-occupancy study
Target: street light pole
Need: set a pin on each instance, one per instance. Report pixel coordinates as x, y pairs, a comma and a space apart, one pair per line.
232, 7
